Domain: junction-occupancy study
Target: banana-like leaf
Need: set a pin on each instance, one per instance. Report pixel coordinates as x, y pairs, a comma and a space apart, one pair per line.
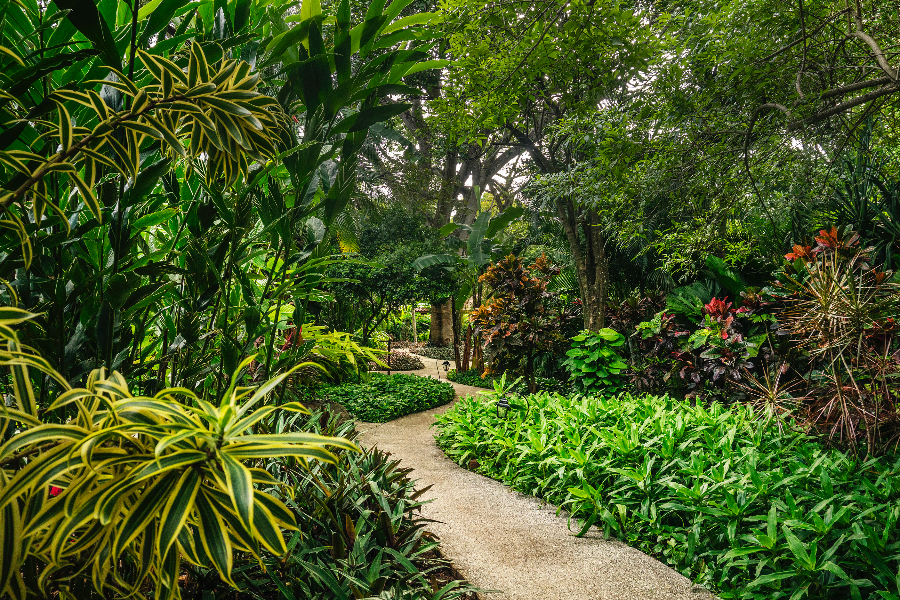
501, 221
477, 257
431, 260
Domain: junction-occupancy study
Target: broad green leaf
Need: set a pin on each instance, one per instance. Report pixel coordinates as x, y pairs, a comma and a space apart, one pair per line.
83, 14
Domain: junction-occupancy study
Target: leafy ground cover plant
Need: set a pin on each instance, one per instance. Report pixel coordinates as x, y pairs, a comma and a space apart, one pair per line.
387, 397
750, 507
471, 377
398, 361
360, 533
594, 366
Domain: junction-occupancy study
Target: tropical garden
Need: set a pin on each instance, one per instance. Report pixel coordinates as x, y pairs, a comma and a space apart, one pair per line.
663, 237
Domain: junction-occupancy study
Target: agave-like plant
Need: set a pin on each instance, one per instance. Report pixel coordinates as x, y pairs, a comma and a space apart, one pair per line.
837, 306
127, 486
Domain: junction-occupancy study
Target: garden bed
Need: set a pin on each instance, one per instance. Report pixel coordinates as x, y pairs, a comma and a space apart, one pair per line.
436, 352
746, 506
387, 397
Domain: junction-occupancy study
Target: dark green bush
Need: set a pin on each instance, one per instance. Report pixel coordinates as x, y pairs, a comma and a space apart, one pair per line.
384, 398
360, 532
471, 377
747, 506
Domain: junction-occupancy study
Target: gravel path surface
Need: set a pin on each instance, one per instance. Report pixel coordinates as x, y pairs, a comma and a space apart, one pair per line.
506, 541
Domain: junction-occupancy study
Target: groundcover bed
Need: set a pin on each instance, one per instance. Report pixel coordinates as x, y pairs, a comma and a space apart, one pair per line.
386, 397
748, 506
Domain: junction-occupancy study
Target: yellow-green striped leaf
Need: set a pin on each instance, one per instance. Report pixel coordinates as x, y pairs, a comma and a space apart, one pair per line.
240, 487
212, 535
148, 507
177, 509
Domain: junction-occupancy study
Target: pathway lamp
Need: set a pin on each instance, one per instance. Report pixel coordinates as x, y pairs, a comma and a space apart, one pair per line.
502, 404
446, 366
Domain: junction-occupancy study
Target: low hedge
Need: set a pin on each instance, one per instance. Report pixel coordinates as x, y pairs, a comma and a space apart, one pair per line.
387, 397
749, 507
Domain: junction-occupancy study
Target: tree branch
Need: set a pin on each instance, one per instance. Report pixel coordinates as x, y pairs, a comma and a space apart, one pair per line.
845, 106
876, 49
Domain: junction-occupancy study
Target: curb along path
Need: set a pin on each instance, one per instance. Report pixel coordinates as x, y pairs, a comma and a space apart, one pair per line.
503, 540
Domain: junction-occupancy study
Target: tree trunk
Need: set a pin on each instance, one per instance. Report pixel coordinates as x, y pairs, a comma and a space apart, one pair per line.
454, 316
591, 261
477, 348
467, 349
441, 332
478, 354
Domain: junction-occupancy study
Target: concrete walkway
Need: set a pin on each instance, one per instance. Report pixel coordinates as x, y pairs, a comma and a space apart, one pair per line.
515, 544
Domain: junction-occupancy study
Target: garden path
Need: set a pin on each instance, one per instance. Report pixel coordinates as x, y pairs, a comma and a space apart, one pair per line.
500, 539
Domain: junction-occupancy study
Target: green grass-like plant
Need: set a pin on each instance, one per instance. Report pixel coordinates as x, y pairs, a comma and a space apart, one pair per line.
385, 398
746, 505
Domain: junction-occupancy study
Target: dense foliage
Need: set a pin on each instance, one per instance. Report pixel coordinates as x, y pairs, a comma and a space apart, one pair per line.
172, 180
820, 341
212, 209
522, 319
360, 533
476, 378
134, 484
367, 292
398, 361
386, 397
738, 500
593, 363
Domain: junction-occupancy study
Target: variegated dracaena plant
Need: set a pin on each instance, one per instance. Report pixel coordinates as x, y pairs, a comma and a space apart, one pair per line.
213, 110
127, 486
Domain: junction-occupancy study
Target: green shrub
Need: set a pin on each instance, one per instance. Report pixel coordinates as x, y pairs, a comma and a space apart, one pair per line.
360, 533
387, 397
593, 365
748, 506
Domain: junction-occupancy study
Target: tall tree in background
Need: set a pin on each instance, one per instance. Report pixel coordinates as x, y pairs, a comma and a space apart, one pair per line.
683, 128
523, 68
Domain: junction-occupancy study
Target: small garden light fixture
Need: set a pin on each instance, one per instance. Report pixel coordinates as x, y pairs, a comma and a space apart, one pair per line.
446, 366
502, 403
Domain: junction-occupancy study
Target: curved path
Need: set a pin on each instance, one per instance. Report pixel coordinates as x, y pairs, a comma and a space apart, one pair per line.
503, 540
